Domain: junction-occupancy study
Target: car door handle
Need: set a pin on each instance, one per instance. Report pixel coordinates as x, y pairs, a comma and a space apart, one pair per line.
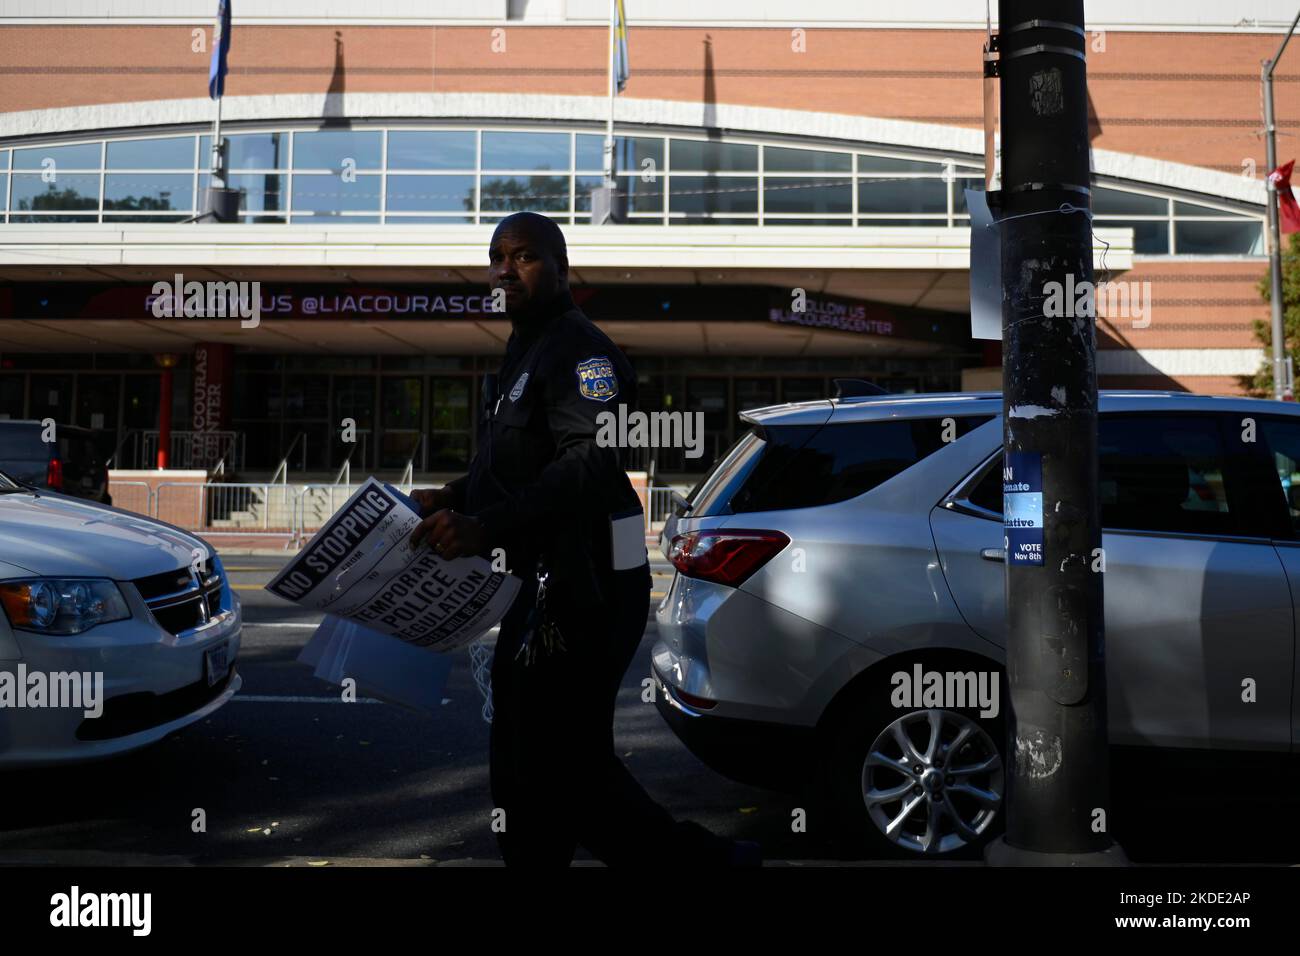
993, 554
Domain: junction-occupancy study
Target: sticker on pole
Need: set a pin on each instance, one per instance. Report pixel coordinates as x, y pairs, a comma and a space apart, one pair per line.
1022, 507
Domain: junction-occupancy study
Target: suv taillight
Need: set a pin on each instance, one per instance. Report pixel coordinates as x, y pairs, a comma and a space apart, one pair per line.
54, 475
725, 556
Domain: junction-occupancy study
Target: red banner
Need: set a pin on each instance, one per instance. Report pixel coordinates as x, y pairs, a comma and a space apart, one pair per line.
213, 367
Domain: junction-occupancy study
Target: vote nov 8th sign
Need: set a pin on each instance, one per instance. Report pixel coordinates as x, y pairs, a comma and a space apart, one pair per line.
1022, 507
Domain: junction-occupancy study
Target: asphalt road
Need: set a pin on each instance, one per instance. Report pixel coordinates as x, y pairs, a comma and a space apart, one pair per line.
288, 773
286, 769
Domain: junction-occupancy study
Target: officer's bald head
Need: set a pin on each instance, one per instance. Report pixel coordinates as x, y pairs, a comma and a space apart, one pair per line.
529, 261
543, 230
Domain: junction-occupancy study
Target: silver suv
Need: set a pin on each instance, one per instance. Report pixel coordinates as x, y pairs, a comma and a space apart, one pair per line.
843, 551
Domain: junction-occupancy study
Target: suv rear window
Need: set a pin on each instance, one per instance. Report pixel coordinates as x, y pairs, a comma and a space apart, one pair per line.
804, 466
711, 495
22, 443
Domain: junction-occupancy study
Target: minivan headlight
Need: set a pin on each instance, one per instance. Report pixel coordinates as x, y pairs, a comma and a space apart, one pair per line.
62, 605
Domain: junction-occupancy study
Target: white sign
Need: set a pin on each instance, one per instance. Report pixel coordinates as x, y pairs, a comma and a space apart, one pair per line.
361, 567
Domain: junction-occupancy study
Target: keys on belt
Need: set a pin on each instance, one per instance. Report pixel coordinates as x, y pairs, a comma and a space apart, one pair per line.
541, 634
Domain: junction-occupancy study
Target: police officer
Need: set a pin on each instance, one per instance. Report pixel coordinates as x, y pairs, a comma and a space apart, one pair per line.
561, 507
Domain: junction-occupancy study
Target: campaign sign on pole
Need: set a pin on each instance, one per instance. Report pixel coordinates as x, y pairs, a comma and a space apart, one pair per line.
1022, 507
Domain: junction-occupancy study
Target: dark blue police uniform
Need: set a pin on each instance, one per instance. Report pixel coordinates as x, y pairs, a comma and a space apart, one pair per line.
546, 491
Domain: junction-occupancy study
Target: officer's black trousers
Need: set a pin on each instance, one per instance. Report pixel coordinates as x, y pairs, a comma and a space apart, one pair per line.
554, 769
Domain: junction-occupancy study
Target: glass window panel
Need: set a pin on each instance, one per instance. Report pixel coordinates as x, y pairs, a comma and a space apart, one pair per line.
329, 149
435, 220
150, 217
249, 151
1195, 209
959, 192
778, 159
68, 191
335, 217
886, 164
431, 149
401, 404
4, 190
582, 187
771, 220
306, 396
630, 152
559, 215
449, 452
1219, 238
525, 150
258, 192
643, 196
1283, 438
1149, 238
702, 194
1164, 473
517, 193
18, 217
430, 193
715, 221
451, 404
323, 192
712, 157
172, 152
802, 389
902, 195
84, 156
144, 192
1116, 202
807, 195
937, 222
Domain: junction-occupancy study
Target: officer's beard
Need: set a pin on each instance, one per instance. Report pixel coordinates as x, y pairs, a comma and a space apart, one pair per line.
538, 310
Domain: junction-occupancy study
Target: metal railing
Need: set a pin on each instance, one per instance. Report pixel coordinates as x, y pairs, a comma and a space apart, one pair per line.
281, 475
662, 502
134, 496
277, 510
228, 508
190, 449
407, 481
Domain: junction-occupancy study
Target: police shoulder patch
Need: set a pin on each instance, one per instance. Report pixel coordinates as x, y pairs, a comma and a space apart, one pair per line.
596, 378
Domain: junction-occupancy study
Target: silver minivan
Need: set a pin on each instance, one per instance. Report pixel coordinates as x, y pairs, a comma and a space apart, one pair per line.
841, 549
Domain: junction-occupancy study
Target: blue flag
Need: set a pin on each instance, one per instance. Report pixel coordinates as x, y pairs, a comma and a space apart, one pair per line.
220, 50
621, 68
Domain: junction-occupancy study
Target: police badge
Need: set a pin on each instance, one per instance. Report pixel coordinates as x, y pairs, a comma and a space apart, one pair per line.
596, 378
519, 387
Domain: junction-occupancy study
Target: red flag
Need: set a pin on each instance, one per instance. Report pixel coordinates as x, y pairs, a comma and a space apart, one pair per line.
1288, 209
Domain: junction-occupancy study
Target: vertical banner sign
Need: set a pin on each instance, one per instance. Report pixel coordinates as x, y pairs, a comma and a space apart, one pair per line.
1022, 508
211, 405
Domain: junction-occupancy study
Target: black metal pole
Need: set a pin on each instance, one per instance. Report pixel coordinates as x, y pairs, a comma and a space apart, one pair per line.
1058, 810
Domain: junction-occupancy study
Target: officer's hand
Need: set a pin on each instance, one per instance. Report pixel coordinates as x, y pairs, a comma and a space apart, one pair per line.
450, 534
431, 499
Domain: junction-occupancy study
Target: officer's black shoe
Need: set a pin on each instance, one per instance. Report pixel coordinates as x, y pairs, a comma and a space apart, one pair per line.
745, 853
